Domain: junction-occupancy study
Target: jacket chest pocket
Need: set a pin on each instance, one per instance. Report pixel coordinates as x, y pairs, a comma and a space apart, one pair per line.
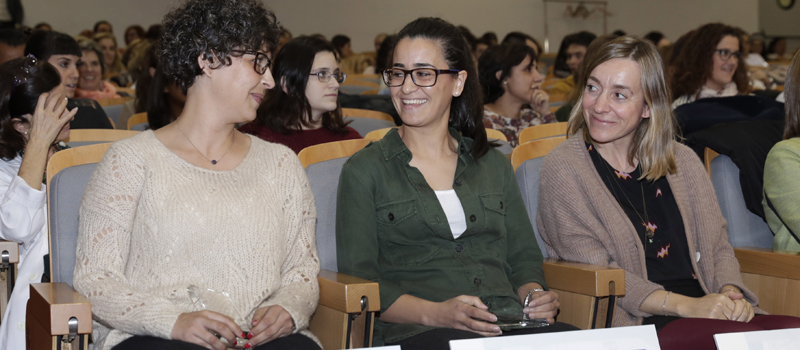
494, 211
396, 213
402, 235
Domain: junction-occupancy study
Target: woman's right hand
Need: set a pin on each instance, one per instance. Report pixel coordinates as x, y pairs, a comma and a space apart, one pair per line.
466, 313
714, 306
197, 328
49, 118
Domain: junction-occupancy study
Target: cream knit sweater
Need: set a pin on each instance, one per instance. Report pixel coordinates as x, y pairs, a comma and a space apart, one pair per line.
151, 225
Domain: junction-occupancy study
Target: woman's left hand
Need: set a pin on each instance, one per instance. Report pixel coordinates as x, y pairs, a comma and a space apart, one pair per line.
543, 305
540, 102
743, 310
270, 323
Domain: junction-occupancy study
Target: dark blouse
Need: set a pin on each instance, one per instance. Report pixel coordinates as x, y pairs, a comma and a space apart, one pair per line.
297, 140
90, 115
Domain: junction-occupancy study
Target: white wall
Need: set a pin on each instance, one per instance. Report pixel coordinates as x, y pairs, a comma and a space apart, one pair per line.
361, 20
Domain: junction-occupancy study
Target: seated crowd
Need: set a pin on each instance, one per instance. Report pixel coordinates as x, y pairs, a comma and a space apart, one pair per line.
431, 211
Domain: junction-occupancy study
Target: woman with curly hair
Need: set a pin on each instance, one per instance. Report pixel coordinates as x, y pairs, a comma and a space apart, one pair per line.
708, 65
305, 111
163, 204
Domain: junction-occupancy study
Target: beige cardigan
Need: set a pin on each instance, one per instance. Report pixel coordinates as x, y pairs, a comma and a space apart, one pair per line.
580, 220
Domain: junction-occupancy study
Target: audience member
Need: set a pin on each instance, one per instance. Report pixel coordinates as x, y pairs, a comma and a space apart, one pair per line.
657, 38
86, 33
471, 39
145, 70
777, 49
523, 39
132, 33
103, 27
571, 54
512, 90
305, 111
153, 33
619, 33
165, 101
707, 65
33, 120
43, 26
480, 47
90, 67
111, 57
12, 44
63, 52
286, 35
441, 163
379, 40
491, 38
622, 180
781, 185
342, 45
249, 197
755, 51
11, 14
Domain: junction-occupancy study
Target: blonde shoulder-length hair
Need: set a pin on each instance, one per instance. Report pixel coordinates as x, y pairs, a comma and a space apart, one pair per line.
653, 139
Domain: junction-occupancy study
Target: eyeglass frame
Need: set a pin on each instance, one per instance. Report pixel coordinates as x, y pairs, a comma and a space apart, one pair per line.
255, 64
330, 75
409, 72
29, 62
722, 54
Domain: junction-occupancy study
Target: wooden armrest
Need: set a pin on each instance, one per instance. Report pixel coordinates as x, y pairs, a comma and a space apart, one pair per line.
51, 305
769, 262
13, 251
586, 279
343, 293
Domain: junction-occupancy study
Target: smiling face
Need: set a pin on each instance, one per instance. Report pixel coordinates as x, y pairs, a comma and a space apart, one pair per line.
322, 96
67, 67
240, 88
723, 70
575, 54
524, 80
421, 106
614, 103
109, 51
91, 75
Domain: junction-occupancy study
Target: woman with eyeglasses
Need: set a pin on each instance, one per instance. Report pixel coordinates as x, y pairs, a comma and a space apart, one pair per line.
708, 65
304, 110
34, 119
433, 213
196, 236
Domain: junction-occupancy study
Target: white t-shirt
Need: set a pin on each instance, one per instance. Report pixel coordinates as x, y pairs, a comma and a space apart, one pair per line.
453, 210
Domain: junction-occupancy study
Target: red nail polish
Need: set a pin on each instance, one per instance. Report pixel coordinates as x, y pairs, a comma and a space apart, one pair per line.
255, 322
250, 336
234, 342
247, 346
244, 335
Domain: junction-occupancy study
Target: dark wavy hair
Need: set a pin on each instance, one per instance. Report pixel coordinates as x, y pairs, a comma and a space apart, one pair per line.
792, 88
139, 31
287, 111
215, 30
520, 38
693, 65
582, 38
21, 99
43, 44
501, 58
466, 110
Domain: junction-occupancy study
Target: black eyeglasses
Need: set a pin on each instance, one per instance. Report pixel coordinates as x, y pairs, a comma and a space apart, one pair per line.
422, 77
325, 76
261, 63
22, 75
726, 54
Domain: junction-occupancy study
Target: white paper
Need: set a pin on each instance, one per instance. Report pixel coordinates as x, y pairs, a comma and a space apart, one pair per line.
781, 339
620, 338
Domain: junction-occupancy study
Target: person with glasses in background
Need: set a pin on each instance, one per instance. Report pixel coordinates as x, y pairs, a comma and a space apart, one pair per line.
34, 119
433, 213
163, 203
304, 110
709, 65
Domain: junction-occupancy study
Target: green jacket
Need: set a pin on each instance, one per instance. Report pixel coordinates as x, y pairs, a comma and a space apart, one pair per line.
391, 229
782, 185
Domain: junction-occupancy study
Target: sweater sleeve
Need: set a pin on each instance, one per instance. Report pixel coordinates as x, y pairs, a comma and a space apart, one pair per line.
782, 185
22, 210
573, 230
106, 220
299, 291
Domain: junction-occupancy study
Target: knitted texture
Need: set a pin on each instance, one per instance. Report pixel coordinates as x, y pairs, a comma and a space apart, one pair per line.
580, 220
151, 225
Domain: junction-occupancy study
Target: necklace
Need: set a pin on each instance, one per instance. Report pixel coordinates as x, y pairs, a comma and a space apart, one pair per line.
650, 231
212, 161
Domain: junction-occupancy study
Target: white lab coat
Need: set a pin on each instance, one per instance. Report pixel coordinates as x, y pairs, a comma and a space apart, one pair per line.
23, 219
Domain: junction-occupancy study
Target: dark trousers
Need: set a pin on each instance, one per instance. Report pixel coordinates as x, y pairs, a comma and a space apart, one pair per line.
137, 342
439, 339
698, 333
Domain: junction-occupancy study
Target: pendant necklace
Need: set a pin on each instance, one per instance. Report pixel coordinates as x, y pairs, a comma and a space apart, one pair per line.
650, 232
212, 161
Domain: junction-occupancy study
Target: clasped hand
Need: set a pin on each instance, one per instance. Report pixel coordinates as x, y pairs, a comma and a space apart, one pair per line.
202, 328
728, 306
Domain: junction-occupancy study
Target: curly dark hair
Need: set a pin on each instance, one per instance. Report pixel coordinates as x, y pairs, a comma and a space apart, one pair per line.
501, 58
693, 65
216, 30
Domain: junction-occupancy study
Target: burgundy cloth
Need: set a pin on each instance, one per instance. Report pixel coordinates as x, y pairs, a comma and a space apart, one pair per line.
297, 140
698, 333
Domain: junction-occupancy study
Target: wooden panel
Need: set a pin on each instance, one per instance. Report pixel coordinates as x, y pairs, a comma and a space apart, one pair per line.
576, 309
75, 156
366, 113
356, 82
778, 296
378, 134
357, 333
91, 135
493, 134
708, 156
343, 293
586, 279
113, 101
371, 92
53, 304
769, 262
36, 334
542, 131
331, 150
329, 326
137, 118
534, 149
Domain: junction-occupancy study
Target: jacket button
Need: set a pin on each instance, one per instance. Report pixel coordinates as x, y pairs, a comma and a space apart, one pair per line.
458, 182
489, 305
391, 217
477, 281
459, 248
501, 205
472, 218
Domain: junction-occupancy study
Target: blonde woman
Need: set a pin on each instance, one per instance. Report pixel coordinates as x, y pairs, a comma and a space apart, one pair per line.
111, 56
622, 192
